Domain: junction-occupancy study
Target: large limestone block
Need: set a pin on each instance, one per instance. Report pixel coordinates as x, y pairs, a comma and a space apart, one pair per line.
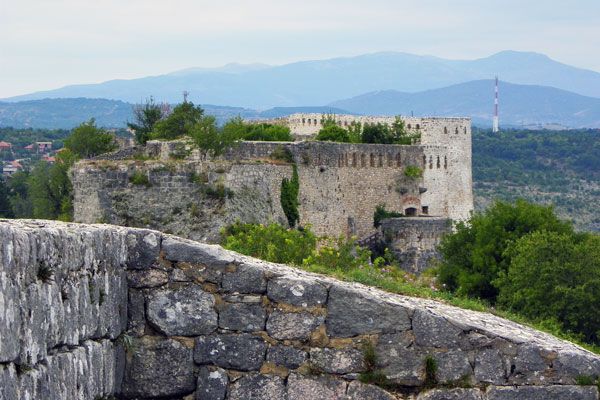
337, 361
159, 367
542, 392
243, 351
182, 311
292, 326
297, 291
315, 387
212, 384
257, 387
352, 312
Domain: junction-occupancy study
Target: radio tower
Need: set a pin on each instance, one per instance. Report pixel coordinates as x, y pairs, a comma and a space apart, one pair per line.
495, 124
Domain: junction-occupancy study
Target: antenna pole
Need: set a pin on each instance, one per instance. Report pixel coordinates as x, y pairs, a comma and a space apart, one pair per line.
495, 124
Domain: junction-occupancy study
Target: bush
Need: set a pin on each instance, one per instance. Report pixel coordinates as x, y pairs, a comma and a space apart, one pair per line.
282, 153
413, 172
381, 213
237, 129
475, 256
270, 242
333, 133
139, 178
179, 123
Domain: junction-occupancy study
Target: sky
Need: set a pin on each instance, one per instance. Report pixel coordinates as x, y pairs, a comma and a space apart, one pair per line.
46, 44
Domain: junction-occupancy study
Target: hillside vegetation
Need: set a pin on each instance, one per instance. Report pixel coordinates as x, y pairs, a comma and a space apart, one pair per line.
546, 167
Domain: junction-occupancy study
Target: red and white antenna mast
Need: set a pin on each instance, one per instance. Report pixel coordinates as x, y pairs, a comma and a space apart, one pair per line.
495, 124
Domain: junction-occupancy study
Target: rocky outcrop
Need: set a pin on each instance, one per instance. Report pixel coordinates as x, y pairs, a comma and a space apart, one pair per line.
93, 311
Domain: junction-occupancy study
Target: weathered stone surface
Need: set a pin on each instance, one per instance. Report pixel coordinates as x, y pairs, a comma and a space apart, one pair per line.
257, 387
296, 291
243, 351
212, 384
569, 364
435, 331
177, 249
489, 367
337, 361
245, 279
136, 311
184, 311
147, 278
542, 393
315, 387
286, 356
453, 366
352, 312
143, 248
451, 394
360, 391
245, 317
401, 365
159, 367
292, 326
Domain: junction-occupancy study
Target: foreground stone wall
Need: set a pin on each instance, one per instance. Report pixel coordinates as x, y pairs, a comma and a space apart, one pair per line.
205, 323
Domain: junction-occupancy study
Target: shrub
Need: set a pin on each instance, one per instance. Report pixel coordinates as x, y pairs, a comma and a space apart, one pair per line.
139, 178
270, 242
282, 153
413, 172
339, 254
333, 133
381, 213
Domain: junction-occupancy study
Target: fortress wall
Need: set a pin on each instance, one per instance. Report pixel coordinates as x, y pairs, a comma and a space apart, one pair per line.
414, 240
179, 197
205, 323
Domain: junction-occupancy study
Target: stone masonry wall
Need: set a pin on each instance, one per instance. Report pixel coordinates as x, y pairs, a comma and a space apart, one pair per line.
414, 240
340, 186
205, 323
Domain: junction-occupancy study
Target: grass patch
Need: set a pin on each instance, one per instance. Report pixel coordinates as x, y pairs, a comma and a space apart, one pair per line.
584, 380
430, 372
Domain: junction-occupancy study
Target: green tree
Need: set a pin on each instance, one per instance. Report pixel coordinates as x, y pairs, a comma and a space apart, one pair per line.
20, 202
5, 208
209, 138
376, 133
332, 132
146, 116
179, 123
87, 140
290, 189
474, 256
555, 276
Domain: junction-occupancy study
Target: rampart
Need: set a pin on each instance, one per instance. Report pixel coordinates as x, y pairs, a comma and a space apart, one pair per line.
93, 311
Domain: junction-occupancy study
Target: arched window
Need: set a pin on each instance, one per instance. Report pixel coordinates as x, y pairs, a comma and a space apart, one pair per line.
424, 161
430, 162
418, 126
309, 121
445, 130
445, 162
465, 130
303, 121
438, 162
456, 130
315, 121
354, 159
372, 160
363, 160
408, 126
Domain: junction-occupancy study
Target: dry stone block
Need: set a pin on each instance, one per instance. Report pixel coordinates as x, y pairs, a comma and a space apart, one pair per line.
489, 367
143, 248
292, 326
453, 366
245, 317
177, 249
159, 368
296, 291
184, 311
360, 391
435, 331
315, 387
286, 356
148, 278
258, 387
352, 312
246, 278
212, 384
451, 394
243, 351
401, 365
542, 392
337, 361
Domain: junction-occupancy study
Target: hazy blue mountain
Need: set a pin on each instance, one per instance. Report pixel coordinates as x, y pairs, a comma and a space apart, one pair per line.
519, 104
277, 112
323, 81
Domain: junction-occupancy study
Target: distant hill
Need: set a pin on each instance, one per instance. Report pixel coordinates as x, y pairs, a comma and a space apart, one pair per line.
519, 104
259, 86
277, 112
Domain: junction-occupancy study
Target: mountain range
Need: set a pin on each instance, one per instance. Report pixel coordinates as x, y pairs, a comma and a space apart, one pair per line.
259, 86
535, 90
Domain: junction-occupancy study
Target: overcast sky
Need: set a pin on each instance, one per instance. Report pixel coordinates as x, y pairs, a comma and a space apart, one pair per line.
45, 44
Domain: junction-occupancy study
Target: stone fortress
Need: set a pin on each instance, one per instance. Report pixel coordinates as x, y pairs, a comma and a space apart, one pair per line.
341, 184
